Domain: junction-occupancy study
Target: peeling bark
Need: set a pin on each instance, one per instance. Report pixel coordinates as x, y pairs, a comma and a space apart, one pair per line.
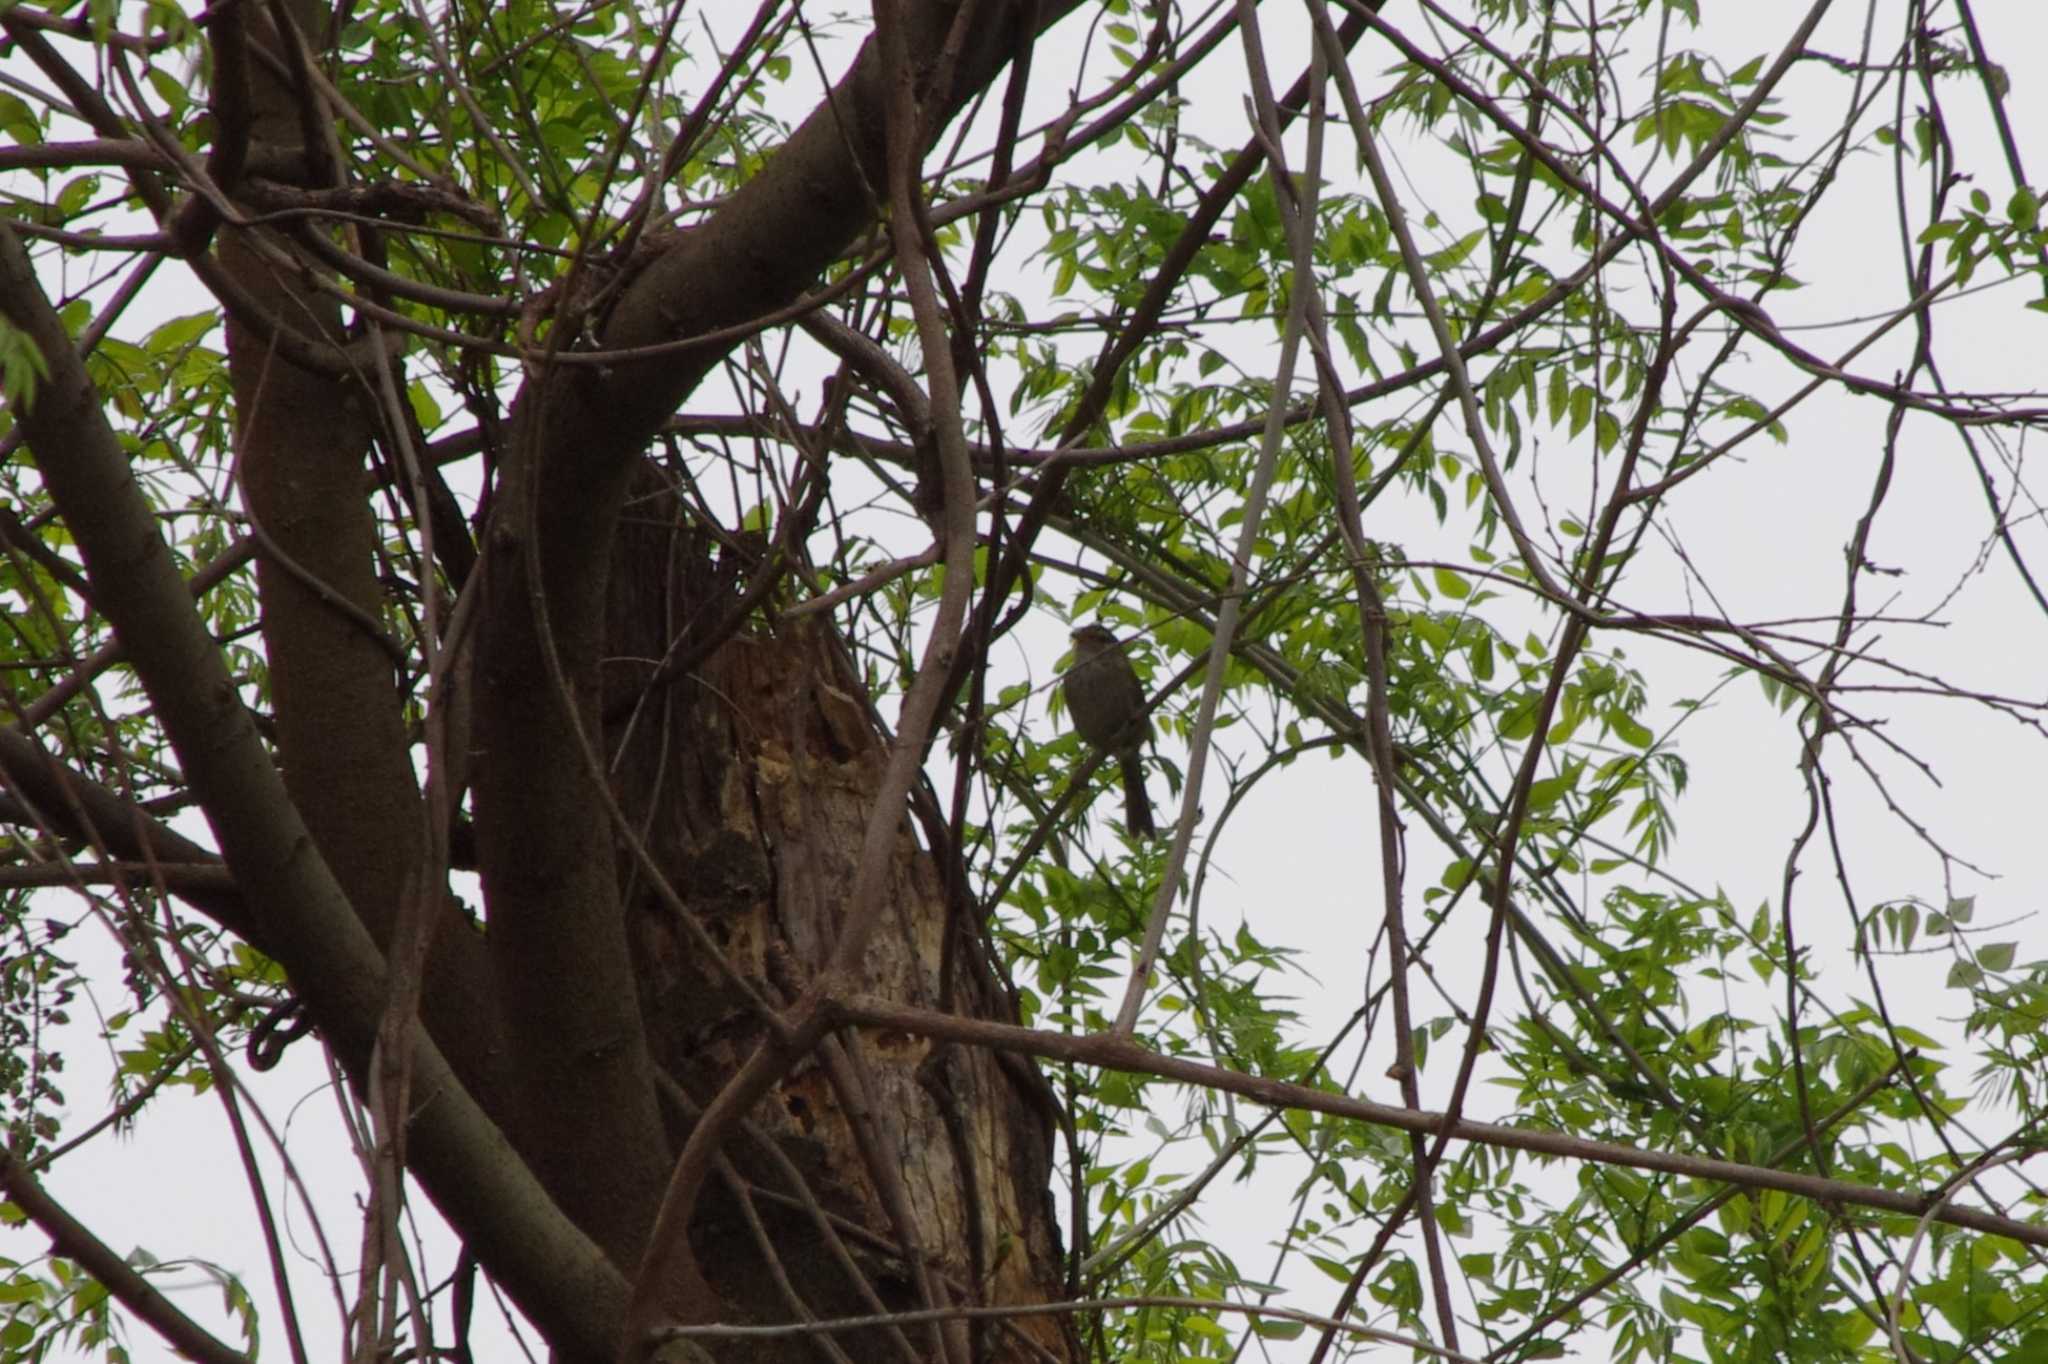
581, 1026
751, 780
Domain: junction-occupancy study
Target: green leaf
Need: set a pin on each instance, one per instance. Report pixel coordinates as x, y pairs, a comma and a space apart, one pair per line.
1909, 924
1627, 730
2023, 210
22, 366
1547, 792
18, 121
1606, 432
1566, 726
1582, 408
180, 332
1852, 1330
1480, 657
1456, 252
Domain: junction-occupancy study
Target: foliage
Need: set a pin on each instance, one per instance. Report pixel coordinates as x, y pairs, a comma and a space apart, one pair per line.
1485, 561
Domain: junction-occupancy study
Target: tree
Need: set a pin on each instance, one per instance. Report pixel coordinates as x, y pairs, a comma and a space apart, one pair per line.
544, 621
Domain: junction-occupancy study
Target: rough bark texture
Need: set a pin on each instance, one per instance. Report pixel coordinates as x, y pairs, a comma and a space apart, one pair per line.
581, 1026
562, 972
754, 776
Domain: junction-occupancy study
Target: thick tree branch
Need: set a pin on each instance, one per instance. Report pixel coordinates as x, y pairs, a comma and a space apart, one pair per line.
545, 837
555, 1274
303, 440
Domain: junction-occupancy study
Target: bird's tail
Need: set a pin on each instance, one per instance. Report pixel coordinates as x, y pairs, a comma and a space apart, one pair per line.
1137, 805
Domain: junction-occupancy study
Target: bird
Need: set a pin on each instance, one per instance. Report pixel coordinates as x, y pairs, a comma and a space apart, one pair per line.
1108, 705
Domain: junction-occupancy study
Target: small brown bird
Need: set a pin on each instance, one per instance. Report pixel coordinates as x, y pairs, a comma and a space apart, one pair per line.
1108, 705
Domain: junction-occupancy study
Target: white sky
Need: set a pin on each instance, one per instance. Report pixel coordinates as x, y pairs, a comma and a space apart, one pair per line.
1764, 533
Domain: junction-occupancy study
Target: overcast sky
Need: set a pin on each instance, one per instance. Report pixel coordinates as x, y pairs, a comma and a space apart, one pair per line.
1761, 538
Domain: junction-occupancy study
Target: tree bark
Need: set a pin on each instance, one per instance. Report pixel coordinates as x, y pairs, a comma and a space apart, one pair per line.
750, 780
885, 1172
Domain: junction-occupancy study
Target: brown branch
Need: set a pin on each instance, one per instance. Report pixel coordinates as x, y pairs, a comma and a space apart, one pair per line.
48, 792
1299, 219
1109, 1051
551, 1269
1256, 1311
72, 1239
179, 878
98, 151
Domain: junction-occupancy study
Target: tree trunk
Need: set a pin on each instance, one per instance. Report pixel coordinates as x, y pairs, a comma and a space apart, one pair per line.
883, 1172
